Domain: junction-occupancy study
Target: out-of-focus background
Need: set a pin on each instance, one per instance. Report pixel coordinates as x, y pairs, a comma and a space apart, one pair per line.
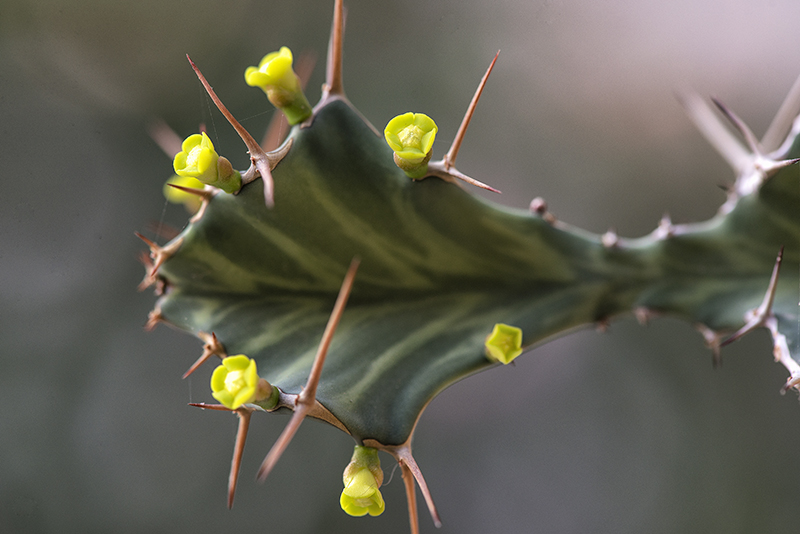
629, 431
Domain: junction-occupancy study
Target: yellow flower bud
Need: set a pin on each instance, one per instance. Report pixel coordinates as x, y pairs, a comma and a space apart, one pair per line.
198, 159
504, 344
235, 382
275, 70
274, 75
362, 478
411, 136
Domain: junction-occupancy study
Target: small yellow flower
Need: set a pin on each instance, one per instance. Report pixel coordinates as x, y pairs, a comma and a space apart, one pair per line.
176, 196
274, 75
235, 382
362, 478
504, 343
411, 136
198, 159
274, 70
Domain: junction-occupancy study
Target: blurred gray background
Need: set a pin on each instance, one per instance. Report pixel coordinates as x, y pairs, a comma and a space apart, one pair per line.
629, 431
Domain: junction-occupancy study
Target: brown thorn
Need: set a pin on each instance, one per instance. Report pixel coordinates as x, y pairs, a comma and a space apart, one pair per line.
159, 256
238, 449
307, 397
778, 165
202, 193
200, 361
711, 339
411, 497
165, 137
212, 344
473, 181
405, 458
759, 315
154, 249
712, 128
333, 76
149, 277
450, 157
783, 120
437, 168
204, 406
257, 155
300, 412
212, 347
153, 318
769, 299
791, 382
741, 127
144, 258
716, 357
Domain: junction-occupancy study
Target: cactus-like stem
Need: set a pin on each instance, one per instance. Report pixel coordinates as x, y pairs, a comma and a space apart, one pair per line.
441, 267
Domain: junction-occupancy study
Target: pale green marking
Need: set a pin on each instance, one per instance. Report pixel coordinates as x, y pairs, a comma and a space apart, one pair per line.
316, 263
286, 326
384, 362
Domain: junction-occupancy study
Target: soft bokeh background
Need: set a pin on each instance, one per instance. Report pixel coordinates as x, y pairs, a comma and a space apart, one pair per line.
630, 431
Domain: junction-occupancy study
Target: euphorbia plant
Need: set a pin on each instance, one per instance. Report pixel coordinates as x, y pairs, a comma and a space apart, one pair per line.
360, 278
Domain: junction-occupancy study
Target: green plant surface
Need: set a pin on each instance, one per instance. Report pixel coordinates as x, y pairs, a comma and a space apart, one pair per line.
628, 430
440, 267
